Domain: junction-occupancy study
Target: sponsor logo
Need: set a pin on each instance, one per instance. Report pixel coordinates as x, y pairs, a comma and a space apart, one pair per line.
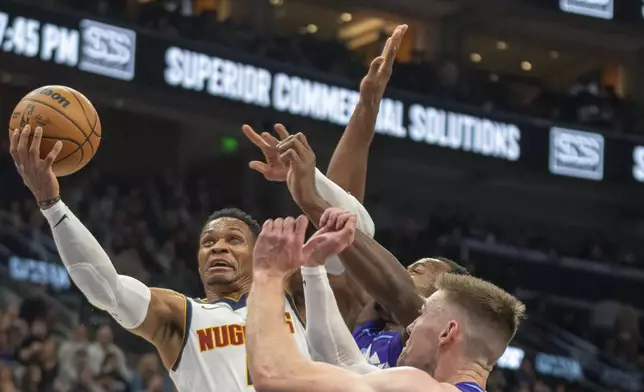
638, 163
576, 153
595, 8
107, 50
62, 101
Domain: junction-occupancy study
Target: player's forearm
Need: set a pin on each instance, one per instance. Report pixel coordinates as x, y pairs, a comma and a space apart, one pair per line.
326, 334
92, 271
348, 165
272, 352
383, 277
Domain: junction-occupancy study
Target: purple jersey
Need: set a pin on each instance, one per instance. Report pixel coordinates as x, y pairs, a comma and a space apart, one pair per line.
381, 348
469, 387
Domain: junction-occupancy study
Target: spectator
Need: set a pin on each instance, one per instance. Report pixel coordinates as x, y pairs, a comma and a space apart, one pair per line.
69, 349
111, 377
6, 379
49, 365
31, 347
98, 353
148, 371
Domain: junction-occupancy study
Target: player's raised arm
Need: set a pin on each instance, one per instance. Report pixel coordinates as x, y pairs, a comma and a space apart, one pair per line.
348, 166
276, 169
328, 338
274, 361
154, 314
370, 264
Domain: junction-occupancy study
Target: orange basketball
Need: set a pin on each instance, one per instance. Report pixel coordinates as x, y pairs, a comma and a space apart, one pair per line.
63, 114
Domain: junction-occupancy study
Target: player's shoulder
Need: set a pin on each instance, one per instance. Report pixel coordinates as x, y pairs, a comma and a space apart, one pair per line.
166, 292
403, 379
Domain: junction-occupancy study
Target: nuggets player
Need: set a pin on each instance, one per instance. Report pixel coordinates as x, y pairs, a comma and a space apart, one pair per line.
201, 342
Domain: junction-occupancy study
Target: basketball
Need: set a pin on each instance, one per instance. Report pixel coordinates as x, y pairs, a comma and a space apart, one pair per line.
63, 114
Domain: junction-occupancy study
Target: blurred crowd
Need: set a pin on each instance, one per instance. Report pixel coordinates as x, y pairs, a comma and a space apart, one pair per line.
455, 80
33, 358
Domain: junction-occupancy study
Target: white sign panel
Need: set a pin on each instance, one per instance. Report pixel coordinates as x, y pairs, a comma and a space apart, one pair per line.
324, 102
595, 8
107, 50
576, 153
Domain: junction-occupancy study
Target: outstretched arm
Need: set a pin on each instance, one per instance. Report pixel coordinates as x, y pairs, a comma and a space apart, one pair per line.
348, 165
156, 315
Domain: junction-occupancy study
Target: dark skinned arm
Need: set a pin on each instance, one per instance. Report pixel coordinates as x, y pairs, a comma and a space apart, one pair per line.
348, 165
378, 271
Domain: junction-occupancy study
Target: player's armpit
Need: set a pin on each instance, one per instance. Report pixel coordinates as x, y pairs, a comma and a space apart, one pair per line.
164, 325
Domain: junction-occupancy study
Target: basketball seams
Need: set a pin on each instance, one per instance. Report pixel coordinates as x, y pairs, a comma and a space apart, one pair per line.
91, 127
82, 154
80, 146
64, 139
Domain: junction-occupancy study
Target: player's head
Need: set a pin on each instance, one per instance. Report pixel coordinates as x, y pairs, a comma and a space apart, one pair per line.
226, 247
466, 324
424, 272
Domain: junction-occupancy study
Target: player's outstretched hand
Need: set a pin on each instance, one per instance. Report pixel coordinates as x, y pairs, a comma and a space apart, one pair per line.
278, 249
36, 172
298, 154
373, 86
273, 169
337, 231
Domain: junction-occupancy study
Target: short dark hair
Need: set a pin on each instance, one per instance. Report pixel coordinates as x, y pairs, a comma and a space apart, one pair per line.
236, 213
454, 267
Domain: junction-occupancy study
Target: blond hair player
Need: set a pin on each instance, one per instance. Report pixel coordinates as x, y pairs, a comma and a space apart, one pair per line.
462, 331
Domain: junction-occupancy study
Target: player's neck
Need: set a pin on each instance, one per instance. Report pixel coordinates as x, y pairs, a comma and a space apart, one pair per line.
473, 373
234, 291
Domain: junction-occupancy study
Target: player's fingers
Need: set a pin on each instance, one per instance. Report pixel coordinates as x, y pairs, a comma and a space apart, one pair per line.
302, 138
291, 157
23, 148
391, 48
13, 146
259, 166
343, 218
281, 131
375, 65
294, 143
286, 141
254, 137
268, 226
325, 217
34, 149
53, 154
278, 226
269, 139
289, 226
301, 223
332, 221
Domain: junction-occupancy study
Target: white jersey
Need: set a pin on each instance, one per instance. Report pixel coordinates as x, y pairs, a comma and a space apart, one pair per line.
213, 358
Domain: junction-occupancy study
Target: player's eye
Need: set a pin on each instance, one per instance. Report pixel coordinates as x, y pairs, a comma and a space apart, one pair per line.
235, 239
207, 243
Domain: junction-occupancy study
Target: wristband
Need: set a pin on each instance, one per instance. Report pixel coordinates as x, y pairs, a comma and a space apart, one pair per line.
46, 204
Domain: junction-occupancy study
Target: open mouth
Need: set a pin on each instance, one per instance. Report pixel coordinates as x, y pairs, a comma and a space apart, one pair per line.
219, 265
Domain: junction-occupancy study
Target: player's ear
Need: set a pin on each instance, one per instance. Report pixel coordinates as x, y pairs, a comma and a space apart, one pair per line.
449, 333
